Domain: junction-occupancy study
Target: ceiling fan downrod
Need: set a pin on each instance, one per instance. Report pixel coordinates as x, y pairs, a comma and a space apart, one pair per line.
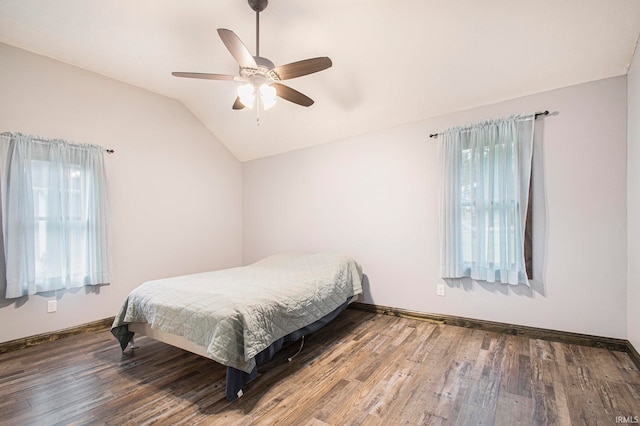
258, 6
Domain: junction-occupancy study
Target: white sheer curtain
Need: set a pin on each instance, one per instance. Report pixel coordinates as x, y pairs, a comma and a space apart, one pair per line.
55, 215
486, 169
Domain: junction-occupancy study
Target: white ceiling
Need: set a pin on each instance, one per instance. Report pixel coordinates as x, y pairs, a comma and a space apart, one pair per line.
393, 61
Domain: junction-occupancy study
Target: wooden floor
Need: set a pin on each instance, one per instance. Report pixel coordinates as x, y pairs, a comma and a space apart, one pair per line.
361, 369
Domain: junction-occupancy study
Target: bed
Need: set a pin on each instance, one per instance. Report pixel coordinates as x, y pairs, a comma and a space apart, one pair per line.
241, 317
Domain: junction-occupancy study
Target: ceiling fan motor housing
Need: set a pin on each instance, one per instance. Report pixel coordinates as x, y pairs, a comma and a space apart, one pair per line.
258, 5
264, 72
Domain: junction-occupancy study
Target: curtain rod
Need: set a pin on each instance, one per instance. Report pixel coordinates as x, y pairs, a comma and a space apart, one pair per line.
536, 115
41, 139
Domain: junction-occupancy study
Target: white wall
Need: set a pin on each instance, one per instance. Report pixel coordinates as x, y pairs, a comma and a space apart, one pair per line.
375, 197
182, 203
633, 201
175, 191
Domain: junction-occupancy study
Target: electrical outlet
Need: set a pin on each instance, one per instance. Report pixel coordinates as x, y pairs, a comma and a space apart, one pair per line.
52, 305
440, 290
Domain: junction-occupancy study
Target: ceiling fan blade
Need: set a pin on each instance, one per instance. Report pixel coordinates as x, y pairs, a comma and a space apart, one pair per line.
237, 104
205, 76
300, 68
292, 95
237, 49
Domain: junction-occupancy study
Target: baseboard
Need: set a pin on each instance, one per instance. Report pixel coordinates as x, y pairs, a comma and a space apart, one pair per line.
633, 354
619, 345
14, 345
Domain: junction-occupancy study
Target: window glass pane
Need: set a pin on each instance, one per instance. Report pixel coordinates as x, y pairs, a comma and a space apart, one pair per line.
500, 239
40, 179
58, 229
41, 249
75, 193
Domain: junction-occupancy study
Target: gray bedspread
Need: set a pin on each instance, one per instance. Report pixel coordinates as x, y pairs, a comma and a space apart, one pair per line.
235, 313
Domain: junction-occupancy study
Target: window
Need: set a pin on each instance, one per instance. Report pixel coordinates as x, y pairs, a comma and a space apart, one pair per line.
55, 227
55, 215
486, 176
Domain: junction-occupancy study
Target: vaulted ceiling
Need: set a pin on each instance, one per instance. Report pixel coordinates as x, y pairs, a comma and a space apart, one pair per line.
393, 61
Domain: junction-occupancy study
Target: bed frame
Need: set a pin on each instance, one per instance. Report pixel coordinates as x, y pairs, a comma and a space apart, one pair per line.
236, 379
144, 329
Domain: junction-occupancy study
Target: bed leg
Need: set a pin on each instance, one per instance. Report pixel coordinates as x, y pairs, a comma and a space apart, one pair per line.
299, 350
132, 345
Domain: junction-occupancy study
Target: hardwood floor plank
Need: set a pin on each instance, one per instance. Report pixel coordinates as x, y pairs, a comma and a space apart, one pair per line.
363, 368
513, 409
316, 422
586, 408
471, 342
451, 392
474, 415
544, 370
333, 401
561, 403
511, 371
424, 347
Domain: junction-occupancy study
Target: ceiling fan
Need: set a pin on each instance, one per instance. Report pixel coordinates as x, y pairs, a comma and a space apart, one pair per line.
259, 74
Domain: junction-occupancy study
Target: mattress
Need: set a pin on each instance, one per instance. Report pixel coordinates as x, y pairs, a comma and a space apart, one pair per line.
237, 313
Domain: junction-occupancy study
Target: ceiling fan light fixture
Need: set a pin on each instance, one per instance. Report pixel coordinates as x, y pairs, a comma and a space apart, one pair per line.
246, 95
267, 95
